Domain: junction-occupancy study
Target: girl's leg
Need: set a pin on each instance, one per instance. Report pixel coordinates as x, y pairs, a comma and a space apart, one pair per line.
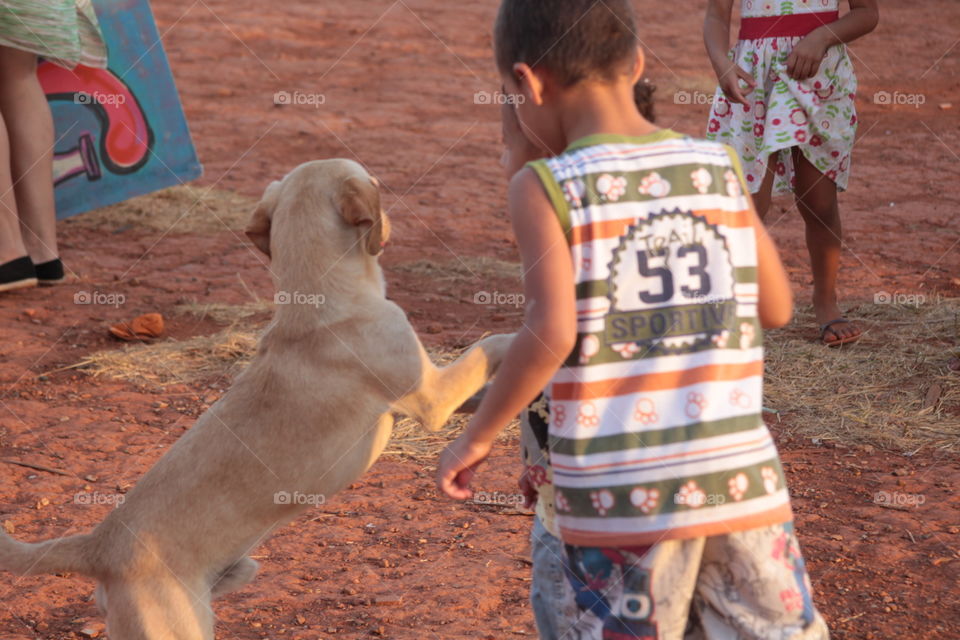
817, 201
30, 130
11, 244
762, 198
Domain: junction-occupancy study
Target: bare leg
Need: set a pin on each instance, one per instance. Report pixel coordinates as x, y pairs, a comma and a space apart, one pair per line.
11, 243
762, 198
30, 129
817, 201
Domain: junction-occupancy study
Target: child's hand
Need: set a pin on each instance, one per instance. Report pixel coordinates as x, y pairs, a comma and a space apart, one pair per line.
458, 464
528, 489
804, 61
730, 80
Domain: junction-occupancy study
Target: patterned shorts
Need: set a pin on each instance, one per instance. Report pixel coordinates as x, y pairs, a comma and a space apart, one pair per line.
744, 585
551, 595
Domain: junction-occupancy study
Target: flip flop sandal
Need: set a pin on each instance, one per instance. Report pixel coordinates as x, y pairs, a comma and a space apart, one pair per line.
840, 341
49, 273
17, 274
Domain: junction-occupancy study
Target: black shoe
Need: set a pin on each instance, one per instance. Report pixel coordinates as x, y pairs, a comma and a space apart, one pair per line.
17, 274
50, 272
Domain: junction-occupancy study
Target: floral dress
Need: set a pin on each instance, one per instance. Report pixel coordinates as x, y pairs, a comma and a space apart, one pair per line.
65, 32
817, 114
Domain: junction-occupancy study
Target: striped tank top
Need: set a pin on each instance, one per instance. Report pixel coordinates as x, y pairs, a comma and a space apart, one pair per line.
655, 419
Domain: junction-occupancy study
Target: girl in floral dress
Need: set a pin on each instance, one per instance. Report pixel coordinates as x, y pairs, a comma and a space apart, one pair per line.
64, 32
785, 103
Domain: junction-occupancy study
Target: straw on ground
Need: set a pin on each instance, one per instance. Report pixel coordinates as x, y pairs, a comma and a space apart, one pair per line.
893, 389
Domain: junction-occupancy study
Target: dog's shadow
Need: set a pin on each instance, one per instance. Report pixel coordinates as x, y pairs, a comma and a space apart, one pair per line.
67, 620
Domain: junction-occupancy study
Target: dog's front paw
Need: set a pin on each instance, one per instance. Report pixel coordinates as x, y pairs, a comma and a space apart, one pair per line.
495, 348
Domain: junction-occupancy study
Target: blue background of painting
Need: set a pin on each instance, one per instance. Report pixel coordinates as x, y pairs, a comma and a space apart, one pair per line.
136, 56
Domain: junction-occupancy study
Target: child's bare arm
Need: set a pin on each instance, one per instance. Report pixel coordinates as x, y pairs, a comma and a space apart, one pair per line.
804, 61
716, 37
775, 302
540, 347
716, 32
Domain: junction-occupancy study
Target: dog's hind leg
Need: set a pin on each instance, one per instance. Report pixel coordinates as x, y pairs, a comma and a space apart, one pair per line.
233, 577
158, 607
442, 390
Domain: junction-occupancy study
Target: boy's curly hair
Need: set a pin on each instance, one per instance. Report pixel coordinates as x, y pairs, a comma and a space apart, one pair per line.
572, 39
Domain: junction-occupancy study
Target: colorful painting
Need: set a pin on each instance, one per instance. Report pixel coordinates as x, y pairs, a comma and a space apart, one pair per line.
120, 131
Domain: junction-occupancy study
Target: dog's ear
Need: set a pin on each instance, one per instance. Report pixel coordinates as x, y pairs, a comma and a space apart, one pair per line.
360, 206
258, 229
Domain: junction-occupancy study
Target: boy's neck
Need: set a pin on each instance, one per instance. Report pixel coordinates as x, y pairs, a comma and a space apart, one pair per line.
592, 108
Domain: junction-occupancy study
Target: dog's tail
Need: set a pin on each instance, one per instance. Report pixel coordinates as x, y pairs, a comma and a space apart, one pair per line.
72, 554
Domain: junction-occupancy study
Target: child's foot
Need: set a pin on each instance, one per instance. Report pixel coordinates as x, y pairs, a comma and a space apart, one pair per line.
833, 335
17, 274
835, 329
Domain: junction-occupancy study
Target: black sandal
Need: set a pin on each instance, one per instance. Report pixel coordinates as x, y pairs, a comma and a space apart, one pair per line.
17, 274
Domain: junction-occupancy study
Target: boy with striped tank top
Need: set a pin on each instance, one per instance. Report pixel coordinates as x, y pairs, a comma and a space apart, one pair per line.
649, 279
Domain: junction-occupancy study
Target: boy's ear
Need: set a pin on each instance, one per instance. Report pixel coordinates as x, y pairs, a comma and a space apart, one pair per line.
531, 85
638, 66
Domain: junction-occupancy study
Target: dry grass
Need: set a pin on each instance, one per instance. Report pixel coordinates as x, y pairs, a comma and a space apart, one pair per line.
201, 358
893, 389
182, 209
220, 357
877, 391
410, 440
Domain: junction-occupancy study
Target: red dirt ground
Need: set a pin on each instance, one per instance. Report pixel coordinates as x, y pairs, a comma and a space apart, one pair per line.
399, 81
